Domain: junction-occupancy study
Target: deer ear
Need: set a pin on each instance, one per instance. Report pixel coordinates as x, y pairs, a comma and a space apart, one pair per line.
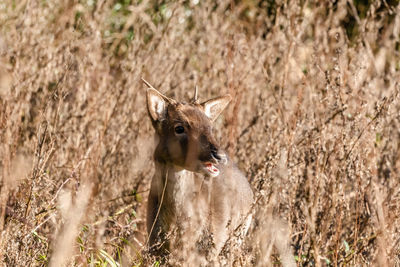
157, 104
213, 107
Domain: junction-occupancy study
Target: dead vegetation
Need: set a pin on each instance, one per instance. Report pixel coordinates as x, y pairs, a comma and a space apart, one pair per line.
315, 124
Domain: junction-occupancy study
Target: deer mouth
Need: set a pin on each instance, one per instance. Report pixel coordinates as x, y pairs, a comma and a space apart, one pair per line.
211, 169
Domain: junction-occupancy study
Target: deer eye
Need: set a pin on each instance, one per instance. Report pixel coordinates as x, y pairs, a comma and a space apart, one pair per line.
179, 129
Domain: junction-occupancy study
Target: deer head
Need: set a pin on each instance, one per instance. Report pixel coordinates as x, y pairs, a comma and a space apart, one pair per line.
186, 133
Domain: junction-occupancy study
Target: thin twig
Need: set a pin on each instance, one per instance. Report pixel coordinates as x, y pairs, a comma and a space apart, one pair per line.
148, 84
159, 208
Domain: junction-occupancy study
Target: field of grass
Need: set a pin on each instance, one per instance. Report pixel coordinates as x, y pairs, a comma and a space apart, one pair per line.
314, 124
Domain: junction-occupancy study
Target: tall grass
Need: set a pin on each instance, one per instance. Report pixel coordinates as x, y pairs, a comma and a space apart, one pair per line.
314, 124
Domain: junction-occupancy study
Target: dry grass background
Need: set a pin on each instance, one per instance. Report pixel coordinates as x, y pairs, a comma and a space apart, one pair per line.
314, 124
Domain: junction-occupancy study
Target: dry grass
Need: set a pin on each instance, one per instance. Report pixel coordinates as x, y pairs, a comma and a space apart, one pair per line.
314, 125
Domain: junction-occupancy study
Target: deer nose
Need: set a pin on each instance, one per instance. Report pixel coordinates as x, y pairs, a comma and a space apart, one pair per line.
215, 155
214, 152
218, 156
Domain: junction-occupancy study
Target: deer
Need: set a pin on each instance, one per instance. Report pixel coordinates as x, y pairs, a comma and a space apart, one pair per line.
197, 194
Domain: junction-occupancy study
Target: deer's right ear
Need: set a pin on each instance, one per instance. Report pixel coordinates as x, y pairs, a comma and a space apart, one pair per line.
156, 104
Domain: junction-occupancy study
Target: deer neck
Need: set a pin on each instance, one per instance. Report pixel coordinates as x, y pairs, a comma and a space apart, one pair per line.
176, 184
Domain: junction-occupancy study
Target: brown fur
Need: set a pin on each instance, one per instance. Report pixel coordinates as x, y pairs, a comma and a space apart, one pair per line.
183, 199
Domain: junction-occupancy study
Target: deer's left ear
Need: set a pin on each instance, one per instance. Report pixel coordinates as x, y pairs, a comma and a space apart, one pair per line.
157, 104
213, 107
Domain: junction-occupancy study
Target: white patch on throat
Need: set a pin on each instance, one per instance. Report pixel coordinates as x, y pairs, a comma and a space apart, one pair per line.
183, 188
